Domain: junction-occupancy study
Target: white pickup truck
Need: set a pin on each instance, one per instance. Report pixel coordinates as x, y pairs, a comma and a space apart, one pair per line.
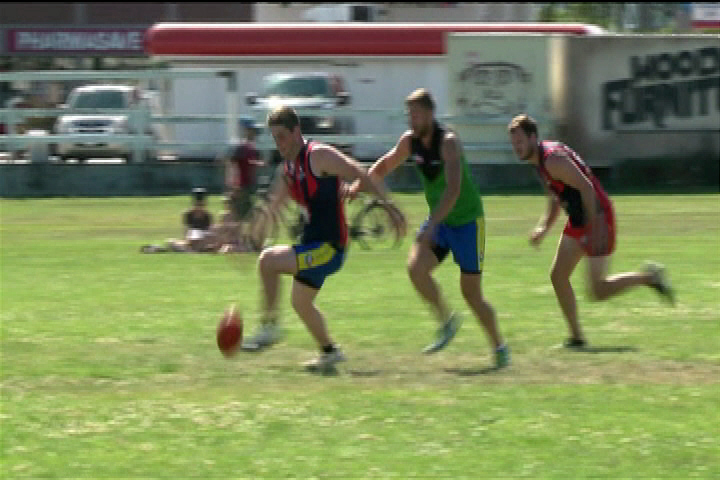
106, 97
321, 92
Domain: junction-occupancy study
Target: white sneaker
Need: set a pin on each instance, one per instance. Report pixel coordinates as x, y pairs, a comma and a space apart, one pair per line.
325, 361
266, 336
660, 282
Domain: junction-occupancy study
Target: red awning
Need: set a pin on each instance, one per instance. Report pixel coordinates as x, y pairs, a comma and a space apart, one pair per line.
347, 39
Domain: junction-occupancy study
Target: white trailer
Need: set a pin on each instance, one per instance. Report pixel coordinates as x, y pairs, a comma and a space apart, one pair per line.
381, 64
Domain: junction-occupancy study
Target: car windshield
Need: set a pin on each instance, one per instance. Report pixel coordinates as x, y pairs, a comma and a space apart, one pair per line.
99, 99
283, 86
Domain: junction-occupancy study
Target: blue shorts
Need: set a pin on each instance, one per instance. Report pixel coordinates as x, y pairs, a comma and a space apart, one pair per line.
466, 242
316, 261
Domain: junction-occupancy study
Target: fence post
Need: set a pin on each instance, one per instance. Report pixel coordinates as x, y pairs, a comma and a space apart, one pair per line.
12, 131
137, 131
232, 104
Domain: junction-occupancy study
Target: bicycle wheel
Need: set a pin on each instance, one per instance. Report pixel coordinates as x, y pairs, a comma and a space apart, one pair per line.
372, 227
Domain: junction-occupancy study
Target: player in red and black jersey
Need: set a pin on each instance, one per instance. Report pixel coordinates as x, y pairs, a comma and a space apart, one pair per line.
590, 229
313, 174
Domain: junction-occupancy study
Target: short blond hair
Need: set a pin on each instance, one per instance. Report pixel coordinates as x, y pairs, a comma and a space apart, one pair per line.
421, 97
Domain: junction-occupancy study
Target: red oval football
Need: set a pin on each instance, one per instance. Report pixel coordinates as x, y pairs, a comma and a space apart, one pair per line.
229, 332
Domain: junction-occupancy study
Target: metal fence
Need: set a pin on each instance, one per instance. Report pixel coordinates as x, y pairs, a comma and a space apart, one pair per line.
38, 144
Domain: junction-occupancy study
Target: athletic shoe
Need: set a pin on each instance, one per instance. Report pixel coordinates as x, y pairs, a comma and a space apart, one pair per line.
575, 343
659, 281
502, 357
444, 334
325, 362
266, 336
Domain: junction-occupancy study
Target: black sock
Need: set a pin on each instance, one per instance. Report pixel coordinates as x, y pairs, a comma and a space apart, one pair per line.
329, 348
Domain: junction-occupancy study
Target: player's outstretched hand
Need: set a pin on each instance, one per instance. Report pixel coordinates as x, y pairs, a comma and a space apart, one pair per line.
537, 235
350, 191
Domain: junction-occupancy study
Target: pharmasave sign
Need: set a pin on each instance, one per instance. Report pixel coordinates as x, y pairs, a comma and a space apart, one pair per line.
113, 41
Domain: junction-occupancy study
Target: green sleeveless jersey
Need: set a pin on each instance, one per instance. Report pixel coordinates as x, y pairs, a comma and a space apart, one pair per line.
468, 206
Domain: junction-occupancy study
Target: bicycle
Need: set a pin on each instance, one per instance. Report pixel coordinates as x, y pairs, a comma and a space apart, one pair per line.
262, 225
370, 224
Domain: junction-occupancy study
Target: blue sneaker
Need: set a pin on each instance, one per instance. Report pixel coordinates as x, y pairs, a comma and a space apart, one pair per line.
445, 334
502, 357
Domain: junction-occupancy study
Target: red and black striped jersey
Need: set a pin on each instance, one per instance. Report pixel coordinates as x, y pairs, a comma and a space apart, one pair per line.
569, 197
320, 196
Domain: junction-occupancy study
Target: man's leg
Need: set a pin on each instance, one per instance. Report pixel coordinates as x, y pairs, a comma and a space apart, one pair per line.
272, 263
470, 284
175, 245
603, 287
421, 262
302, 299
568, 254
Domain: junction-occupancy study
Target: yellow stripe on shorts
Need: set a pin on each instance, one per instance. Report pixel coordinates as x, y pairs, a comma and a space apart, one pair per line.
481, 241
315, 257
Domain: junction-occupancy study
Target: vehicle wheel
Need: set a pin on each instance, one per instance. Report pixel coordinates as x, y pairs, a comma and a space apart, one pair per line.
372, 227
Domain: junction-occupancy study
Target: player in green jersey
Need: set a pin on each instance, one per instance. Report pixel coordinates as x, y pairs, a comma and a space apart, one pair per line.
455, 224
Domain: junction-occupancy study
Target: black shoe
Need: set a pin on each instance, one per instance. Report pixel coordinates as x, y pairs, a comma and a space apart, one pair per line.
575, 343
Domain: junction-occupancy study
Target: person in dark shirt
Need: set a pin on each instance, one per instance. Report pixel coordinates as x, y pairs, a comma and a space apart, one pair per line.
312, 176
197, 223
241, 162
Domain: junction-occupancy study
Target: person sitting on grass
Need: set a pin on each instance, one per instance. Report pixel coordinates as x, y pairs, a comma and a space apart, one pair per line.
197, 235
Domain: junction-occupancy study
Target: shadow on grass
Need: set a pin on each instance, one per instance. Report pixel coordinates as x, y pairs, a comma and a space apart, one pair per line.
602, 349
365, 373
471, 372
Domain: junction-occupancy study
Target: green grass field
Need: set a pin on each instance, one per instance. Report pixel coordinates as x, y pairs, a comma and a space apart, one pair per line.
110, 368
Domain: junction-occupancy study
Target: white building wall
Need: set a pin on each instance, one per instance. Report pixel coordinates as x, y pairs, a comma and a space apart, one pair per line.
410, 12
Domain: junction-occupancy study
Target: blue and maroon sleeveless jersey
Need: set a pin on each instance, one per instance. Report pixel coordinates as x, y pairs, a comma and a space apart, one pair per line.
321, 197
569, 197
